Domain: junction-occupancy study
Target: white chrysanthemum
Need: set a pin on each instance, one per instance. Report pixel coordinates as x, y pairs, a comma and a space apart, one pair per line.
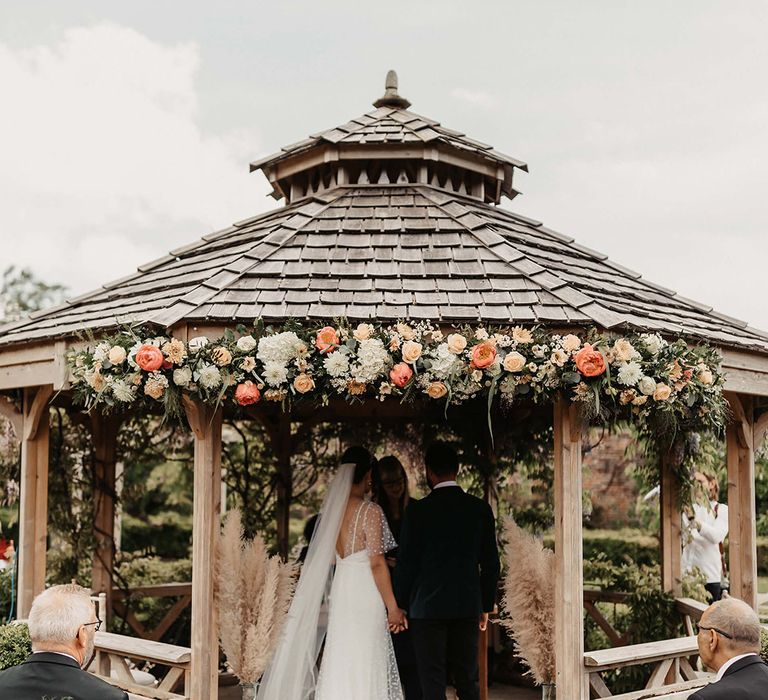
336, 364
443, 361
372, 360
275, 373
182, 376
281, 347
630, 373
654, 342
209, 376
123, 391
647, 385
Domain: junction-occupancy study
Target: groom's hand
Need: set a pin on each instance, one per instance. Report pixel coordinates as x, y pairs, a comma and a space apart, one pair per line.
397, 620
483, 621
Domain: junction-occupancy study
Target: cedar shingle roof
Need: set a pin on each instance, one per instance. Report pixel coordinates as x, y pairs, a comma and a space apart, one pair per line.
388, 252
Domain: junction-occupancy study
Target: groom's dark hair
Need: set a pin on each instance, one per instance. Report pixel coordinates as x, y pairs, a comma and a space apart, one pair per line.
441, 459
362, 460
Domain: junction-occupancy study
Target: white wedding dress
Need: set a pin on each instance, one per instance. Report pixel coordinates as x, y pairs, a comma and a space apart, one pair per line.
358, 661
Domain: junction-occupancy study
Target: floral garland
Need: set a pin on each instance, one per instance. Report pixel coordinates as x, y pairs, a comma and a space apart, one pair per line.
641, 376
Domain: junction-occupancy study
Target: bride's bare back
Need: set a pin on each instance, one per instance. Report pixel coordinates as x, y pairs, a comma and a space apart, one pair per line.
363, 527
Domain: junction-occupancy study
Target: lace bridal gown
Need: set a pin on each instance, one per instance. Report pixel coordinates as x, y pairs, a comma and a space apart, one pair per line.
359, 661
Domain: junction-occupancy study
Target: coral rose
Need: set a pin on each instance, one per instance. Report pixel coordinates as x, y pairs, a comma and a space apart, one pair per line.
400, 374
437, 390
663, 392
483, 355
456, 343
589, 361
149, 358
514, 362
117, 355
411, 351
303, 383
247, 393
327, 339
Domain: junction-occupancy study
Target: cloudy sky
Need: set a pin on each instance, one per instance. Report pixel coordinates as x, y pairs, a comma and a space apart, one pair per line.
126, 129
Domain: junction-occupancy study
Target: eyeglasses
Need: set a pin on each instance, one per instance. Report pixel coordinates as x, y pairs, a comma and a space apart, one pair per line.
97, 623
699, 628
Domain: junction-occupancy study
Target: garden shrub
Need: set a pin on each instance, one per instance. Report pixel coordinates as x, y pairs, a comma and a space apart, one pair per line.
15, 645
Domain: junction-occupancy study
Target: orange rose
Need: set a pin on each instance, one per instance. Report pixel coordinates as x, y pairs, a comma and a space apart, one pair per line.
303, 383
589, 362
483, 355
247, 393
149, 358
327, 339
436, 390
400, 374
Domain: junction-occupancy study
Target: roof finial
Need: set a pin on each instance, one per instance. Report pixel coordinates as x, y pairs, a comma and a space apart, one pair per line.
391, 98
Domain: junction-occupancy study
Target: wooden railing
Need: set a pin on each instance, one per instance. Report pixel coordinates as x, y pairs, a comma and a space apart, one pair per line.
674, 676
120, 604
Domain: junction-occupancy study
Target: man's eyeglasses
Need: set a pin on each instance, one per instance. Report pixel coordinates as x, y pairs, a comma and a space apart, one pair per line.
713, 629
97, 623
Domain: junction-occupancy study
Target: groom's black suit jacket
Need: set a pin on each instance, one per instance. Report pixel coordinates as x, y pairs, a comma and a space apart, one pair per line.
448, 563
746, 679
54, 677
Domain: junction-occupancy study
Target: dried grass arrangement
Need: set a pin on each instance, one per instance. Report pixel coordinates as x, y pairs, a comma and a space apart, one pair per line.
529, 601
253, 593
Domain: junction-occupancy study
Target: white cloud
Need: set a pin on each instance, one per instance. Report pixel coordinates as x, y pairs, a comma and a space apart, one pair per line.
477, 98
104, 165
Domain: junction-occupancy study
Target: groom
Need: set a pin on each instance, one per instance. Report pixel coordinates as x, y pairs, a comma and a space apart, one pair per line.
446, 576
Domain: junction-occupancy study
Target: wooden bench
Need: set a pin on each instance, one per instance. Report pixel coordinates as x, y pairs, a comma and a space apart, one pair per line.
113, 651
670, 656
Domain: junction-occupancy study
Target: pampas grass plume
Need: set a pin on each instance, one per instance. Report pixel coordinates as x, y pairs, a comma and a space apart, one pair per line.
253, 594
529, 601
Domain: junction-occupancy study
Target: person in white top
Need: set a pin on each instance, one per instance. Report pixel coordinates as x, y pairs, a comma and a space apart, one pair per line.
707, 528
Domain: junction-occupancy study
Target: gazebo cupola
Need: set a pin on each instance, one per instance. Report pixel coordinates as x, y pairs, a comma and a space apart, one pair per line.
390, 145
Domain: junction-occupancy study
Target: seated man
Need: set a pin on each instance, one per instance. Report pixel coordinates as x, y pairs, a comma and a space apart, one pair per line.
62, 625
729, 643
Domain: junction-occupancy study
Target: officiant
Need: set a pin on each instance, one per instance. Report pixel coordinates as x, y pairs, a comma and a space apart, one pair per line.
391, 491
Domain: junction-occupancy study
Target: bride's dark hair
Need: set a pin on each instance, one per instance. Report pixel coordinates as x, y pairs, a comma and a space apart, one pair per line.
362, 460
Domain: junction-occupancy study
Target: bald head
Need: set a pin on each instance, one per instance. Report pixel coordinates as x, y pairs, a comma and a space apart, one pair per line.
739, 621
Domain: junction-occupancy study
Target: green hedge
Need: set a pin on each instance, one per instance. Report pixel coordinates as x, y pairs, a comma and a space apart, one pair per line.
15, 645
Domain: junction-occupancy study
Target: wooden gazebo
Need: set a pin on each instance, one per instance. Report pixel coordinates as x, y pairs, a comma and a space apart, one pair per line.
389, 216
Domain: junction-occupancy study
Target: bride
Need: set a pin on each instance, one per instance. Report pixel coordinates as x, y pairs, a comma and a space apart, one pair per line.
358, 661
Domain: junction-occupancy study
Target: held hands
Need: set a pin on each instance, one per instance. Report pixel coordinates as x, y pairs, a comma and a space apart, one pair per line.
483, 621
397, 620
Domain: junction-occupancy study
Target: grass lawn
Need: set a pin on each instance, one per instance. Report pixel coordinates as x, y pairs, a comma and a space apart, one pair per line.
762, 584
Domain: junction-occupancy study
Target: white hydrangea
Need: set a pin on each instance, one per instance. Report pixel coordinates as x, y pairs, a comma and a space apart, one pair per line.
281, 347
101, 352
209, 376
443, 361
336, 363
654, 342
275, 373
123, 391
630, 373
372, 360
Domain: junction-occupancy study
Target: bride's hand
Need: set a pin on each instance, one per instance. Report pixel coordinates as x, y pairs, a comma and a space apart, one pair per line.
397, 620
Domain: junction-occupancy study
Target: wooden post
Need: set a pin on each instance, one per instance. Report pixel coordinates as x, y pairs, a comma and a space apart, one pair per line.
206, 425
671, 527
569, 583
104, 430
284, 483
33, 521
742, 516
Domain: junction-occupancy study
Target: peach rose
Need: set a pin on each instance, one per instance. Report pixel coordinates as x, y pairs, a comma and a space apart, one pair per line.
405, 331
571, 342
411, 351
483, 355
221, 356
327, 340
522, 336
175, 351
247, 393
356, 388
303, 383
589, 362
456, 343
623, 350
117, 355
154, 388
663, 392
437, 390
363, 331
400, 374
514, 362
149, 358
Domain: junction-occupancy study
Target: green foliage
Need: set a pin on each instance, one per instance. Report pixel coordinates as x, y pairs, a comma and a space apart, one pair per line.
15, 645
764, 644
6, 591
21, 293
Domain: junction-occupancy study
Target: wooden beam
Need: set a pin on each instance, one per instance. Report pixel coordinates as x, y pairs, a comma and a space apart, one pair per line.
572, 681
206, 425
104, 430
33, 521
284, 449
671, 529
742, 516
